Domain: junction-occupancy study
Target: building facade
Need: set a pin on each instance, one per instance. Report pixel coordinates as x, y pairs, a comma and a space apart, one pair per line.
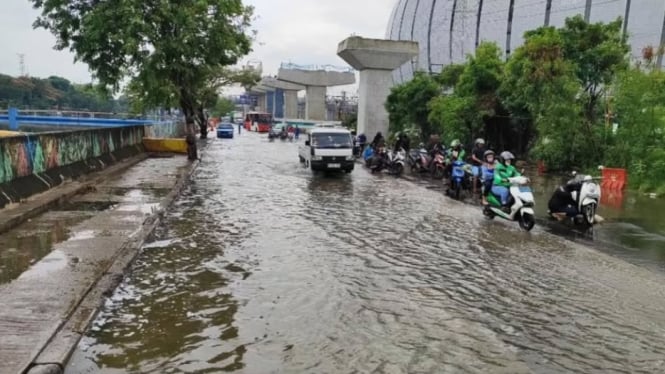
447, 30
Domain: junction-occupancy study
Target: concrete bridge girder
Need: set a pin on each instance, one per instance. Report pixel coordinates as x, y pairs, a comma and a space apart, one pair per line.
375, 59
315, 83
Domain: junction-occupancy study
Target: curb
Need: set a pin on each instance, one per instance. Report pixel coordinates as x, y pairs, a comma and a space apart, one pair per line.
53, 358
38, 204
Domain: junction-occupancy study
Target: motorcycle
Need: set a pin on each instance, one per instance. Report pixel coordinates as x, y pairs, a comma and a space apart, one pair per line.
586, 195
368, 154
378, 161
395, 162
437, 165
291, 136
459, 179
418, 160
283, 135
522, 206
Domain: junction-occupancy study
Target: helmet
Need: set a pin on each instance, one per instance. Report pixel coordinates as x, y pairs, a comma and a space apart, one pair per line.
505, 155
455, 143
487, 153
480, 141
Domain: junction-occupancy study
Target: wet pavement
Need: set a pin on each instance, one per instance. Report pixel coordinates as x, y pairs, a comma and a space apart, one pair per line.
261, 267
47, 265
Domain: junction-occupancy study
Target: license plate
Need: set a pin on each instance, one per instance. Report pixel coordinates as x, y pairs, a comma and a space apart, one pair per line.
334, 166
525, 189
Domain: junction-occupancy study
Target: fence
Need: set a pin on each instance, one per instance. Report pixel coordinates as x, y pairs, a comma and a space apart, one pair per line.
29, 154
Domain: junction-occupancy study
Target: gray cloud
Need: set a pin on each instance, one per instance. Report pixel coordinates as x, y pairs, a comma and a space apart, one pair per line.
299, 31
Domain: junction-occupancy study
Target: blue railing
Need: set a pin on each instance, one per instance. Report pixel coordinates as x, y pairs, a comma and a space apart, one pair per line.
14, 118
340, 69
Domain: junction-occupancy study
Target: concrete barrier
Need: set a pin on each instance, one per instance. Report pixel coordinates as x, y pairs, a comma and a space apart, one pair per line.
34, 163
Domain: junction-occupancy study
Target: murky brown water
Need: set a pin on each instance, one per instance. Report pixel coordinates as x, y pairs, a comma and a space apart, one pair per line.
262, 268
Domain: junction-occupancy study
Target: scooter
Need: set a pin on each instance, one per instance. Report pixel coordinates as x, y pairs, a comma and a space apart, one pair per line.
368, 154
587, 196
395, 162
438, 165
458, 179
522, 208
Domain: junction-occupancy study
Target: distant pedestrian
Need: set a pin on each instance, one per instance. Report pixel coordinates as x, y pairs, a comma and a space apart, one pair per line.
239, 128
297, 132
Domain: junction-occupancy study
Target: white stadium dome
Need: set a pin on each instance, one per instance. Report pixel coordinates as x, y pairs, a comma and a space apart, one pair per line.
447, 30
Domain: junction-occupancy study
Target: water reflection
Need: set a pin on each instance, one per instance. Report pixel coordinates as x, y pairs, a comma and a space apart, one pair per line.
262, 269
175, 309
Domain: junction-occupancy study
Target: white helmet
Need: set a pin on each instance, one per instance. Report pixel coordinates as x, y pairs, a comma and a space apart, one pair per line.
480, 141
505, 155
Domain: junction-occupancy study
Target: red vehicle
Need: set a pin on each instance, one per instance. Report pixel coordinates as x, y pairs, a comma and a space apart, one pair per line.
258, 121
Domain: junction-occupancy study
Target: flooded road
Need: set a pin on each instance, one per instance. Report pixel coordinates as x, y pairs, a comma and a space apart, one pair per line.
261, 267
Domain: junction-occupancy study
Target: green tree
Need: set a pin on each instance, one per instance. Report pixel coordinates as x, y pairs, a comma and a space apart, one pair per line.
639, 102
407, 104
222, 108
599, 51
172, 50
541, 84
462, 113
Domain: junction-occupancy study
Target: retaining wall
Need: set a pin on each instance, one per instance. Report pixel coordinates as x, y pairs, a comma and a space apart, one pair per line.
33, 163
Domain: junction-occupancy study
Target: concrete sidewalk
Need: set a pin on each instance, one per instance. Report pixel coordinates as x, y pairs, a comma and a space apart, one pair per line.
44, 311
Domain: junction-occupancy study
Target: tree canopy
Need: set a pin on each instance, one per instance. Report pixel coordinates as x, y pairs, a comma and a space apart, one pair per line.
567, 96
55, 93
174, 52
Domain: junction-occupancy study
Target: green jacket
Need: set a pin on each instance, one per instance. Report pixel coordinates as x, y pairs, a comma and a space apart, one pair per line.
502, 172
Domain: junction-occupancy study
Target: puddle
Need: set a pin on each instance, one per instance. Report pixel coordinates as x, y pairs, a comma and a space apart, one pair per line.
143, 208
54, 261
134, 192
90, 206
83, 235
29, 242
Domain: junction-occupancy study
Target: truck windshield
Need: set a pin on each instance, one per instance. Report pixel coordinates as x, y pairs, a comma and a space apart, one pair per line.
333, 140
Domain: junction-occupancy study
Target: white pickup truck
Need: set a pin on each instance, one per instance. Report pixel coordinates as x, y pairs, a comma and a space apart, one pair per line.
328, 149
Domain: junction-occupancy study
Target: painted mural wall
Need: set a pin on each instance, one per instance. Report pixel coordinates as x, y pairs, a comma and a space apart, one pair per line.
21, 156
166, 129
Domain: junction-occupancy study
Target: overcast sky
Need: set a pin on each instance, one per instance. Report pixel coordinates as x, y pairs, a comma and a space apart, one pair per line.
299, 31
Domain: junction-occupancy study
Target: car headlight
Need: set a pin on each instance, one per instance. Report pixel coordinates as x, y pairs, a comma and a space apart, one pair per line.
317, 158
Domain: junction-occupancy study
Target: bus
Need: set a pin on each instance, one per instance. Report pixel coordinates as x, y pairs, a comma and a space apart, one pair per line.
258, 121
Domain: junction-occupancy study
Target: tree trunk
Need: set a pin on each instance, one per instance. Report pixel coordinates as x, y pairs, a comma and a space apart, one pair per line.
203, 122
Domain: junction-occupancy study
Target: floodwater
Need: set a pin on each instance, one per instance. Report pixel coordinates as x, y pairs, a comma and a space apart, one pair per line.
261, 267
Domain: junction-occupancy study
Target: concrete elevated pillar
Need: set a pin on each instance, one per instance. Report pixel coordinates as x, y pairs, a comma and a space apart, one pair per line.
290, 104
262, 97
315, 81
290, 94
375, 59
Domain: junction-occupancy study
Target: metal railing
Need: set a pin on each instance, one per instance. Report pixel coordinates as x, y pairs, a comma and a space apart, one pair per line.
332, 68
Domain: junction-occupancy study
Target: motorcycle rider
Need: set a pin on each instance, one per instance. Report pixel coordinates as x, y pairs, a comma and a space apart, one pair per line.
456, 152
477, 160
378, 141
487, 173
401, 143
504, 170
562, 204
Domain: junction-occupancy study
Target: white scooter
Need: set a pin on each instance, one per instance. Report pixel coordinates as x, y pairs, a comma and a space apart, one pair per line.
396, 161
522, 208
587, 198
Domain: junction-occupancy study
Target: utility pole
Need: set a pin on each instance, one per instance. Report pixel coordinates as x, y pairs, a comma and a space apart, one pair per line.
21, 63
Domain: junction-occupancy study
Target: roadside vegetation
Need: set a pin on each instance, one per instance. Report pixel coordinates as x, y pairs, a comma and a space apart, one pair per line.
55, 93
170, 53
569, 96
